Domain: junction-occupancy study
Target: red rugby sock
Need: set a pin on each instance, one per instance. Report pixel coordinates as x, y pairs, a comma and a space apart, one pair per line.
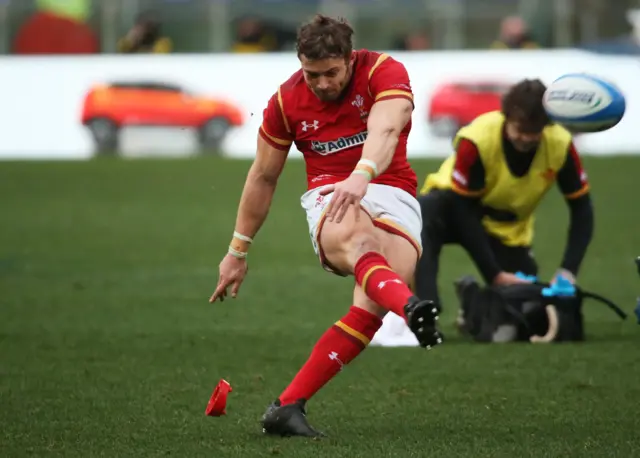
338, 346
381, 284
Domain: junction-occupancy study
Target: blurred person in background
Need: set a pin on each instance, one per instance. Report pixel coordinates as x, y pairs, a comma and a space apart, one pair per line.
485, 195
416, 41
622, 45
514, 34
58, 27
145, 37
253, 36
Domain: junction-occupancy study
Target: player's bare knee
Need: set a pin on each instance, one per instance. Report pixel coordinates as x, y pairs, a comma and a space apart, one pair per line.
361, 243
351, 241
401, 254
344, 243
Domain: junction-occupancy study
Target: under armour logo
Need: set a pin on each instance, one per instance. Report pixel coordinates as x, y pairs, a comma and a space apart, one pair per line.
383, 283
306, 125
333, 356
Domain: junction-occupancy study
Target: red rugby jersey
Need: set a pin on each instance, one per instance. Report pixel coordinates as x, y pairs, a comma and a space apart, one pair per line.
330, 135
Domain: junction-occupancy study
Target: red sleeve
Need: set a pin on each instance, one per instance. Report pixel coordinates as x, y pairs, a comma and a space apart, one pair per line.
275, 128
468, 173
572, 178
388, 79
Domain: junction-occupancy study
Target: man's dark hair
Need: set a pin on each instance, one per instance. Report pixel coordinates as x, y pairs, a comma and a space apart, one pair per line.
523, 104
149, 21
325, 38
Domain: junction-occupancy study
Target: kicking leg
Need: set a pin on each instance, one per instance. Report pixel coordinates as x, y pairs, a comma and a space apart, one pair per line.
346, 339
420, 315
355, 246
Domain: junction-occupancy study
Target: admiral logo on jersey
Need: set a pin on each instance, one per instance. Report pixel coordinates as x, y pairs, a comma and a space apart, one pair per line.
331, 136
334, 146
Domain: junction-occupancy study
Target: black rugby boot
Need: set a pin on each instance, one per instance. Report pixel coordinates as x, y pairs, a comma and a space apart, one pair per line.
422, 317
288, 420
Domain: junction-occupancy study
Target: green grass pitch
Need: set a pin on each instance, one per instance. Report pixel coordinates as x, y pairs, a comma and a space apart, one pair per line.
109, 347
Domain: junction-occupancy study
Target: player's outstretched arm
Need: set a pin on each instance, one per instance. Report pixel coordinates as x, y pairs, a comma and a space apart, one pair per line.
385, 123
259, 188
257, 194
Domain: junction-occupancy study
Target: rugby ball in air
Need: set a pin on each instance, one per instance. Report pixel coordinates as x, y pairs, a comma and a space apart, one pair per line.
584, 103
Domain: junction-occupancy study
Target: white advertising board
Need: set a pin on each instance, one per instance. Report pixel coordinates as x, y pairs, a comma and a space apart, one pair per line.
42, 97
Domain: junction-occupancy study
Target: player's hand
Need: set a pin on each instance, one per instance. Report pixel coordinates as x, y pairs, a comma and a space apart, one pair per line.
564, 273
232, 273
507, 278
346, 193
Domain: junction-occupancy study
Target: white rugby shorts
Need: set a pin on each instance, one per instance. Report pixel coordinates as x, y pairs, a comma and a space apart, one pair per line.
390, 208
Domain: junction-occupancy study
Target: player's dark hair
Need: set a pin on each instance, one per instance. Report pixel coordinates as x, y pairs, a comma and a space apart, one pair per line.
523, 104
325, 38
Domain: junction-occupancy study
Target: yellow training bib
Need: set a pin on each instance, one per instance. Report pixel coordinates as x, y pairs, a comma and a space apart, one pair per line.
509, 201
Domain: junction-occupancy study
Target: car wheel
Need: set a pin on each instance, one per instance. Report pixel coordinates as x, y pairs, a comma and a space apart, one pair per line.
212, 134
105, 135
444, 126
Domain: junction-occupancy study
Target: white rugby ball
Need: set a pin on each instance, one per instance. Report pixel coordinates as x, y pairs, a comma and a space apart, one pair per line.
584, 103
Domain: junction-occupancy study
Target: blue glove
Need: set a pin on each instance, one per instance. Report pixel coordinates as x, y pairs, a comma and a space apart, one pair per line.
531, 278
562, 287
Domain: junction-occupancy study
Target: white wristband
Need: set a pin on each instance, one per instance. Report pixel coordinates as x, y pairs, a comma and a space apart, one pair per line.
242, 237
370, 163
237, 254
363, 172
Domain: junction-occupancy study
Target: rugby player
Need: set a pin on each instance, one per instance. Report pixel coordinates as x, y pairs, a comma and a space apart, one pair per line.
349, 113
484, 196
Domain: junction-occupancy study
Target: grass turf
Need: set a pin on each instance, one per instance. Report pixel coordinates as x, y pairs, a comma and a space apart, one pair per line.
109, 347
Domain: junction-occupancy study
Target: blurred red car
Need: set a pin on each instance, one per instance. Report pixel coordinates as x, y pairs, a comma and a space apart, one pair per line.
454, 105
108, 107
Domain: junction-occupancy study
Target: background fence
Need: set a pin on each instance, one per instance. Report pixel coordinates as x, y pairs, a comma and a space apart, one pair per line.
214, 25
